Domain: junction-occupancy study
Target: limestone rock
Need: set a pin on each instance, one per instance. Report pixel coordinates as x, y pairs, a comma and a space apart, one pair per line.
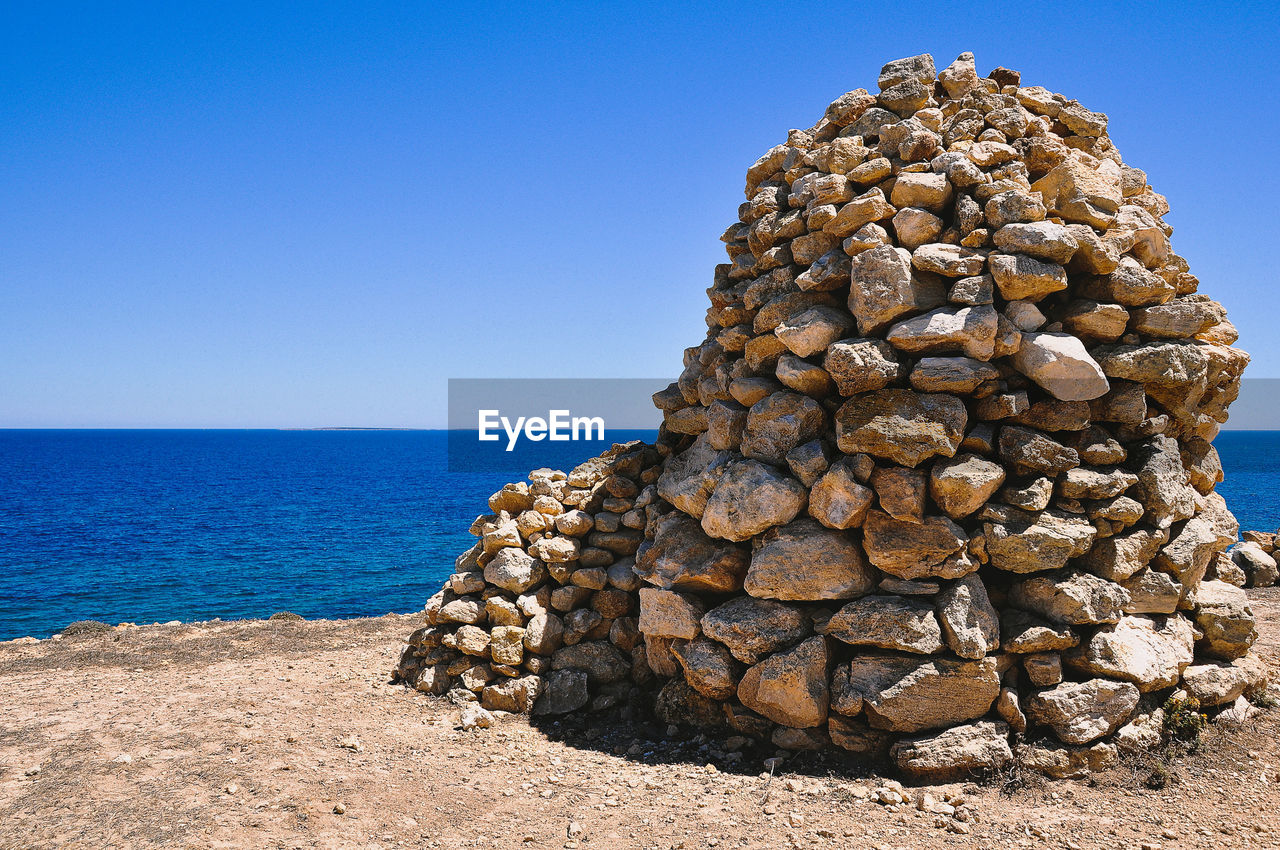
790, 687
901, 426
911, 550
911, 694
670, 615
888, 622
753, 628
775, 426
861, 365
954, 754
690, 477
838, 500
749, 498
969, 620
1149, 652
1081, 712
514, 570
1222, 612
805, 561
682, 557
1072, 598
1061, 366
708, 667
1046, 540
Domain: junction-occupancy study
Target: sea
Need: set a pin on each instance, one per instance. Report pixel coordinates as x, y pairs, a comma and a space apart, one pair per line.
150, 526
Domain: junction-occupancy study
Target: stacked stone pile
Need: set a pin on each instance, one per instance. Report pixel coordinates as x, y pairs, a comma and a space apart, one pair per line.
541, 613
1250, 562
944, 468
938, 484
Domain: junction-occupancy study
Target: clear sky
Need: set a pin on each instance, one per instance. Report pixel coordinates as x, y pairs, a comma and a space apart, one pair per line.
255, 214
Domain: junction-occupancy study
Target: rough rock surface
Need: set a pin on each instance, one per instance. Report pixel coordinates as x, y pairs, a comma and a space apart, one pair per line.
945, 451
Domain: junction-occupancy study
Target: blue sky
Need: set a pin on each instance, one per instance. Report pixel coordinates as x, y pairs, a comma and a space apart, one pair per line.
271, 215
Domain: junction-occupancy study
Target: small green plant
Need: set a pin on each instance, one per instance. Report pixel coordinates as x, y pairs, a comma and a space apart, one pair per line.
1264, 700
1159, 777
1183, 720
286, 615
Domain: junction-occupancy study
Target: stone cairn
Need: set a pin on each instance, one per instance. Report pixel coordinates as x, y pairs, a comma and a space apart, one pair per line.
938, 485
540, 614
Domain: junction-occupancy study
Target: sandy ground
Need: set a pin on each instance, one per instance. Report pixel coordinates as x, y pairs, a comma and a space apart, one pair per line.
283, 734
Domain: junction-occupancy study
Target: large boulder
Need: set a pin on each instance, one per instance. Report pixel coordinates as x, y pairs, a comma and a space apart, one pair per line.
1080, 712
750, 498
910, 694
753, 628
682, 557
954, 754
790, 687
888, 622
1223, 614
1072, 598
805, 561
1149, 652
933, 547
1062, 367
901, 426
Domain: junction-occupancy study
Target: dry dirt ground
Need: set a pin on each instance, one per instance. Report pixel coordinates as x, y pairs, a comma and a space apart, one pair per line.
282, 734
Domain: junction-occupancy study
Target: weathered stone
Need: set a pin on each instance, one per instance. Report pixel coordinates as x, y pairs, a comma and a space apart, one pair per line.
909, 550
689, 478
805, 561
1163, 487
1024, 632
1023, 278
1043, 240
901, 491
1072, 598
515, 570
813, 330
1076, 192
915, 227
1030, 451
564, 691
837, 500
971, 330
601, 660
749, 498
1062, 761
1259, 567
1061, 366
682, 557
947, 260
960, 752
753, 628
1025, 543
1152, 592
670, 615
862, 365
1149, 652
868, 207
776, 425
1081, 712
905, 694
924, 190
514, 695
901, 426
1223, 614
790, 687
708, 667
1118, 557
959, 375
969, 620
963, 484
888, 622
884, 289
1044, 669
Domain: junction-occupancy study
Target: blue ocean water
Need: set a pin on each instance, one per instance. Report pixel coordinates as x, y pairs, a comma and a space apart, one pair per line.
145, 526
